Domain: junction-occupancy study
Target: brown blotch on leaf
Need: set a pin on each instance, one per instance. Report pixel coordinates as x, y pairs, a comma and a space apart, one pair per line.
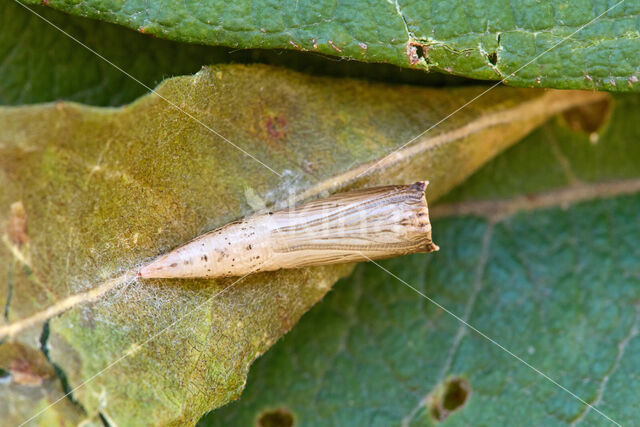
17, 225
25, 365
23, 373
589, 118
275, 418
448, 398
276, 127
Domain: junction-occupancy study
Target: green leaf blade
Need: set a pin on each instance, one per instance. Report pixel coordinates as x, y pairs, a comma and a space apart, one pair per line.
557, 44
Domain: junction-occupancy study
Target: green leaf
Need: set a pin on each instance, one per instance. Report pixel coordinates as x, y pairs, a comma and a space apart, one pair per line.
551, 43
104, 190
39, 63
538, 252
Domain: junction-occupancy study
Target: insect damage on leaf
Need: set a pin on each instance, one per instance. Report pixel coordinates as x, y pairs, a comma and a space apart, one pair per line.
17, 225
448, 398
374, 223
276, 418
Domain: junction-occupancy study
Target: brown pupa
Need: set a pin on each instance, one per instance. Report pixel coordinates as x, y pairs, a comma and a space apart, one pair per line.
373, 223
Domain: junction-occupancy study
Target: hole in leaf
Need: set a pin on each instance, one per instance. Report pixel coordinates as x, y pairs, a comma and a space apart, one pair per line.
588, 118
276, 418
448, 398
493, 58
455, 395
417, 52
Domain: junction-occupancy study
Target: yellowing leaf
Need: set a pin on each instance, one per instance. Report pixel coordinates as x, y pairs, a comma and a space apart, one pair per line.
105, 190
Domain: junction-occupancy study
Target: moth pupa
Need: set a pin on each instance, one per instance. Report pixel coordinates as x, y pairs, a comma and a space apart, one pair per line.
372, 223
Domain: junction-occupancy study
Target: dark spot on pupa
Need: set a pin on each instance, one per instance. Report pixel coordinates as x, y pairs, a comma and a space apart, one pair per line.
419, 186
205, 258
175, 264
276, 418
270, 213
187, 262
249, 247
448, 398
